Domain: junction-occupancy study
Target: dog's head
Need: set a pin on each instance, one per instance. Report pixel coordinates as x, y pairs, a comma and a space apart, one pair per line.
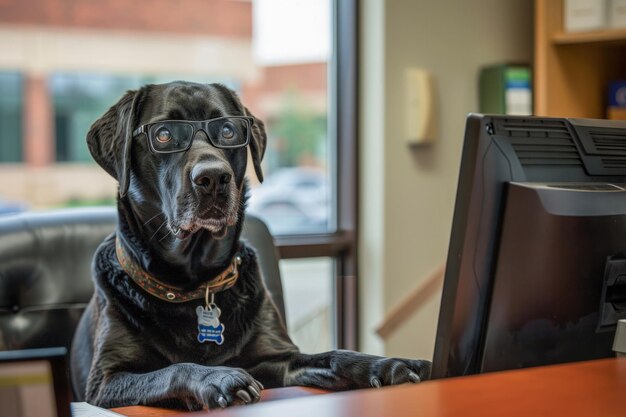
193, 173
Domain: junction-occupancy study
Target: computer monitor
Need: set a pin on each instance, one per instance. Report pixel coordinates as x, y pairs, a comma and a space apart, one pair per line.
536, 268
34, 382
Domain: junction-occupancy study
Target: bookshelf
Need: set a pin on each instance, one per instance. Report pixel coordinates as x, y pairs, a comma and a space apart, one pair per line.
572, 70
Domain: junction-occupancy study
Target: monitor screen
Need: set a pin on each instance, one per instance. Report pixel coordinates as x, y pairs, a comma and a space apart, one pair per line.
34, 383
536, 268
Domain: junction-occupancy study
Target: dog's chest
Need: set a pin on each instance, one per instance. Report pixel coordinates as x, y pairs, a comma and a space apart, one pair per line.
187, 332
204, 344
181, 335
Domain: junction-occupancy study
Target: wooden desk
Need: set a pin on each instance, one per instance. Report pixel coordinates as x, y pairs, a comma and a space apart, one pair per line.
594, 388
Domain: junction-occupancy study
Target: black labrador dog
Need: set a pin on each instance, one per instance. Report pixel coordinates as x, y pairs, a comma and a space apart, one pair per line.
180, 316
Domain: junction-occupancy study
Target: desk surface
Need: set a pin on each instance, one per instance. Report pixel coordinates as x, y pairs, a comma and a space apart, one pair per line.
594, 388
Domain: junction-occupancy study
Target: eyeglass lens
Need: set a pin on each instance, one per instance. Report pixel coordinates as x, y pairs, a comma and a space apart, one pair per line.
227, 132
171, 137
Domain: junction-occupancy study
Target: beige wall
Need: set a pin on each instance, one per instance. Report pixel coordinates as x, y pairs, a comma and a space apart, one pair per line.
407, 197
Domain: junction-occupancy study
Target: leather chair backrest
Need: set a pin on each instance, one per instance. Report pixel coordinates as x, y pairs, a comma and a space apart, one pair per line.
45, 272
256, 233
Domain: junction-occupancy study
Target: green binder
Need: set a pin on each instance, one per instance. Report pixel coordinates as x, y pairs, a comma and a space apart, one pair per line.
506, 89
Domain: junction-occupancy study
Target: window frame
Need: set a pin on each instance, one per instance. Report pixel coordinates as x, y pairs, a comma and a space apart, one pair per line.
340, 245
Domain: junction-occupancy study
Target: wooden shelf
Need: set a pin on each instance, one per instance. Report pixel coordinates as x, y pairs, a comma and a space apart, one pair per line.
572, 70
602, 36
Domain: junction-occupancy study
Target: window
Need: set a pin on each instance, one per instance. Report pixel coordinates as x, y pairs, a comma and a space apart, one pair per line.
281, 57
309, 302
78, 100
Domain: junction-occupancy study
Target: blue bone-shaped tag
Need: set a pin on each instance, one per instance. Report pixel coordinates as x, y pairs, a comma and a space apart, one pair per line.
209, 326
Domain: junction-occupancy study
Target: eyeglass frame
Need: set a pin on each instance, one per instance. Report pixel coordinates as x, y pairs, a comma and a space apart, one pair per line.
145, 129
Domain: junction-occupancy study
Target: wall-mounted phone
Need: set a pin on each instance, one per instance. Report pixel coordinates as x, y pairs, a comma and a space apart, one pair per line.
420, 107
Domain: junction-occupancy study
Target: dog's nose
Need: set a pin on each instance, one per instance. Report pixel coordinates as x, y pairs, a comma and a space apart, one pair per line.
209, 177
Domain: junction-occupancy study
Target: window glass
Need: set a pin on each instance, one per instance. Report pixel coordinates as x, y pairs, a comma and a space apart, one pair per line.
276, 57
11, 102
292, 45
78, 100
309, 293
67, 69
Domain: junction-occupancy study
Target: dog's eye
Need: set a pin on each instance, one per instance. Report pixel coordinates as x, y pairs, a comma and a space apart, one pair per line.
227, 131
163, 135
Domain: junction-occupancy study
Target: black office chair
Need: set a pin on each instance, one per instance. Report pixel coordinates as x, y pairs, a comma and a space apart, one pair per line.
45, 272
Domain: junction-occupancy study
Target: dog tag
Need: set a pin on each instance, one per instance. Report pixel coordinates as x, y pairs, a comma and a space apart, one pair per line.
209, 327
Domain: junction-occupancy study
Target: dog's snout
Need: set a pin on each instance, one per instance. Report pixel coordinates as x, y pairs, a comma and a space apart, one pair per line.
209, 177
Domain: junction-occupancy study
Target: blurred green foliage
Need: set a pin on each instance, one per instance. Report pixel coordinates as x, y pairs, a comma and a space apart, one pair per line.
300, 132
77, 202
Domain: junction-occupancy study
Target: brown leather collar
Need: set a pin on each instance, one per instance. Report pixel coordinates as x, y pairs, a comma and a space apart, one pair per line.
151, 285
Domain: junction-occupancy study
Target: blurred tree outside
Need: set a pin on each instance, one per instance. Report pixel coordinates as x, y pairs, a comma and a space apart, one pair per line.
299, 134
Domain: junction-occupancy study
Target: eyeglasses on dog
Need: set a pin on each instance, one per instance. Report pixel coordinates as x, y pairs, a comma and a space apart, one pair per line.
169, 136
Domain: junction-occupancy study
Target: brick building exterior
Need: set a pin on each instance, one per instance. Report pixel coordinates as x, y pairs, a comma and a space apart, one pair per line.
193, 39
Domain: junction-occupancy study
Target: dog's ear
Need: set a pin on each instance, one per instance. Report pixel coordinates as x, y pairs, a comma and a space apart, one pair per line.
257, 144
110, 138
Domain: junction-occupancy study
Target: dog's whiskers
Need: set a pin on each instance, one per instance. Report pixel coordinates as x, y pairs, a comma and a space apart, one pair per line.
169, 232
152, 218
157, 230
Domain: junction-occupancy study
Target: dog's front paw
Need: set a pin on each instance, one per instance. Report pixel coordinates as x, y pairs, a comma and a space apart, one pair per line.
220, 387
234, 386
392, 371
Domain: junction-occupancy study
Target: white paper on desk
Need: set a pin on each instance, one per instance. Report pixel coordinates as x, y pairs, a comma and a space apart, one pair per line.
88, 410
